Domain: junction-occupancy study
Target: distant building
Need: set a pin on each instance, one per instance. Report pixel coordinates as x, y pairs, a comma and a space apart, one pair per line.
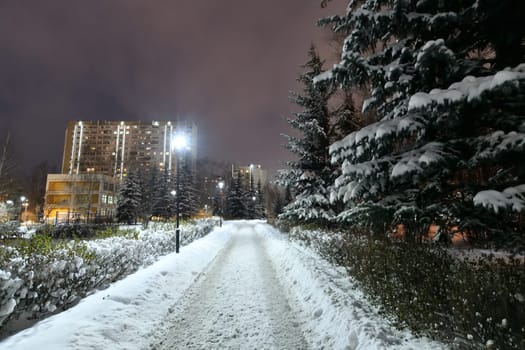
115, 147
249, 173
98, 154
210, 173
83, 197
208, 189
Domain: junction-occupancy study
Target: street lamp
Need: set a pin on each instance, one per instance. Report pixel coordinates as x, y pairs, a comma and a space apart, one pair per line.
24, 203
221, 186
180, 143
10, 209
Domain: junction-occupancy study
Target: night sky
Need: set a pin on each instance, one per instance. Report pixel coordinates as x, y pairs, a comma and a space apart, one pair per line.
227, 65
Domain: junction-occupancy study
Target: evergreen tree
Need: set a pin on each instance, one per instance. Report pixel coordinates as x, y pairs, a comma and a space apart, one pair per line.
162, 198
442, 137
189, 197
129, 198
288, 196
347, 118
217, 204
7, 168
250, 199
259, 209
236, 200
148, 180
278, 206
310, 175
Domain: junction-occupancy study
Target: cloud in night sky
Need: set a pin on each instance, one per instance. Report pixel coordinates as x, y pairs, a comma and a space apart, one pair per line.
227, 65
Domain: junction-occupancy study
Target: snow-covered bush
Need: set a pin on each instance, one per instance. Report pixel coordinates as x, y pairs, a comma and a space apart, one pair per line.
9, 229
39, 276
466, 302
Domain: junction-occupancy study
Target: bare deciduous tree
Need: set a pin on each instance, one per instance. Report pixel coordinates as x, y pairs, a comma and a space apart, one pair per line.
7, 167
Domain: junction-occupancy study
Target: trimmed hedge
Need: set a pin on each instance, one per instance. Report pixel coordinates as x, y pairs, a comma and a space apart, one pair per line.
39, 275
78, 231
470, 303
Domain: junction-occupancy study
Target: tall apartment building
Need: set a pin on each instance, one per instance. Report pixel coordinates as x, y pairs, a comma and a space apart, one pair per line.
98, 154
249, 173
114, 147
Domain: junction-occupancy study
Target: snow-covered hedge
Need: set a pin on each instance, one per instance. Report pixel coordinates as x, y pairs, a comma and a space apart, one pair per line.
469, 302
9, 229
39, 276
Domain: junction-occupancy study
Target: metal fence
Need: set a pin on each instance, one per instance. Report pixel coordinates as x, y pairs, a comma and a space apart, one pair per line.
71, 218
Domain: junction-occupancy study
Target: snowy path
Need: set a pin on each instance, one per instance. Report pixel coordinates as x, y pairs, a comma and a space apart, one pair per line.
237, 303
244, 286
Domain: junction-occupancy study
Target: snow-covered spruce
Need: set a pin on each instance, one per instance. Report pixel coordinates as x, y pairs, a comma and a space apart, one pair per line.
311, 174
450, 122
41, 283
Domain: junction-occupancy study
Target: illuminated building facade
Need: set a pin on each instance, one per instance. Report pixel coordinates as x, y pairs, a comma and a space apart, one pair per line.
115, 147
98, 154
80, 197
251, 173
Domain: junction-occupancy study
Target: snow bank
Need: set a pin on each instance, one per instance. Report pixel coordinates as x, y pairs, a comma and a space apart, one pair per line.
125, 315
36, 284
336, 313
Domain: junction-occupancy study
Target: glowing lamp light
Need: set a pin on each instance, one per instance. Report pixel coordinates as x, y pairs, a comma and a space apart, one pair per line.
180, 142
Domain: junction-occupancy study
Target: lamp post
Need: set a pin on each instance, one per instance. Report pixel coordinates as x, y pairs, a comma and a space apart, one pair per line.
221, 187
25, 204
10, 209
180, 143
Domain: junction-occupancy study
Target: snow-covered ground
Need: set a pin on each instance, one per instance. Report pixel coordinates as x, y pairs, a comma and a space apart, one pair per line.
238, 303
242, 286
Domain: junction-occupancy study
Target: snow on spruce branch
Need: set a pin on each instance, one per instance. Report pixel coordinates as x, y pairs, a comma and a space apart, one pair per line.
374, 134
497, 144
470, 88
416, 161
511, 198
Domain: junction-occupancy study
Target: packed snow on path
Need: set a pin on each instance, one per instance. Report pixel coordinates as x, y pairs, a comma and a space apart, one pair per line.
243, 286
237, 303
